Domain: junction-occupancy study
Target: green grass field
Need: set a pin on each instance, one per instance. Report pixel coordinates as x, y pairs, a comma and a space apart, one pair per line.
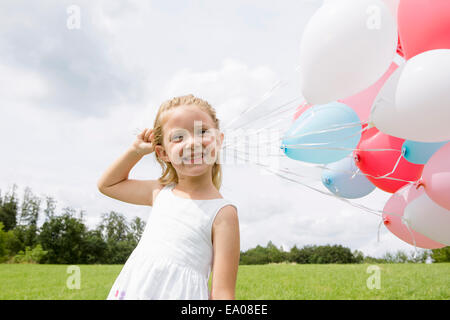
265, 282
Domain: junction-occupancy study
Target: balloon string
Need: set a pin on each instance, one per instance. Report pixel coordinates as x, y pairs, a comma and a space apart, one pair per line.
336, 190
359, 206
338, 148
355, 173
326, 193
325, 143
318, 190
393, 170
270, 92
331, 129
376, 104
296, 146
377, 211
256, 133
406, 223
379, 229
266, 95
358, 172
278, 109
245, 153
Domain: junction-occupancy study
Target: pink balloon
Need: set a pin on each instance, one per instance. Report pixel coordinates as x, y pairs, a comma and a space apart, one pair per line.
362, 102
423, 25
394, 210
300, 109
436, 177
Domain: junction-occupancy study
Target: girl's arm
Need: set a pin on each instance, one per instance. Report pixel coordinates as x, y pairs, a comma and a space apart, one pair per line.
226, 246
115, 183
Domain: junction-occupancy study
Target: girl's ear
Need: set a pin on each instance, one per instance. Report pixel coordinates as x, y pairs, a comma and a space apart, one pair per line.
161, 153
221, 136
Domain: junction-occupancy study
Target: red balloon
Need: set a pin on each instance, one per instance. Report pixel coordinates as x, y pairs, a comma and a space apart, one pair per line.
423, 25
376, 163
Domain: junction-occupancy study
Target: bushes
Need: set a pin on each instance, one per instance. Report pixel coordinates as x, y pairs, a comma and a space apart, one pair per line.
30, 256
441, 255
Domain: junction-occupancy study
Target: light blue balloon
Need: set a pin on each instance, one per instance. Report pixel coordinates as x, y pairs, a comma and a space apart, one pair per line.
340, 178
420, 152
307, 140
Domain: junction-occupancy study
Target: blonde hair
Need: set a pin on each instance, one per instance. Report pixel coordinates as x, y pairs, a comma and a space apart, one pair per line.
169, 173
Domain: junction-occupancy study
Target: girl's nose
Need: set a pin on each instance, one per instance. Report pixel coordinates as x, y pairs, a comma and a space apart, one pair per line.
194, 143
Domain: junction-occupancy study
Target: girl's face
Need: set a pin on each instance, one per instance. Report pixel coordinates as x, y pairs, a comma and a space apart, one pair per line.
190, 140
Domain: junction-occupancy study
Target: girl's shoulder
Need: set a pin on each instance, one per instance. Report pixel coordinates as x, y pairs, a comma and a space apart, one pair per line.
157, 190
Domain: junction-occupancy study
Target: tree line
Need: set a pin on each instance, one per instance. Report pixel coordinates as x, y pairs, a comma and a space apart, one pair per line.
338, 254
64, 238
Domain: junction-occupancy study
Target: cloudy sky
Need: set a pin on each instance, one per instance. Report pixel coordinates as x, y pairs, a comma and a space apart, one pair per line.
72, 97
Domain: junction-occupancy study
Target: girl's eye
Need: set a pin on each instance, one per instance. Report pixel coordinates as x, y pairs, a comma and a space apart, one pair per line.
177, 138
203, 132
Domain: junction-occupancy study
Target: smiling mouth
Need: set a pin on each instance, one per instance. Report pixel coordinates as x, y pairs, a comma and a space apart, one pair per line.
193, 159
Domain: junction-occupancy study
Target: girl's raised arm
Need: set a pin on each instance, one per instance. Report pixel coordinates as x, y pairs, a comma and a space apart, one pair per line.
115, 183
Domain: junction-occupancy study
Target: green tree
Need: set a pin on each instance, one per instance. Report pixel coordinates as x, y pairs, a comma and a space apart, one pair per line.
114, 227
94, 248
30, 208
401, 257
441, 255
274, 254
4, 253
8, 209
63, 238
137, 227
50, 208
116, 234
305, 254
258, 255
293, 254
29, 216
389, 257
358, 256
22, 237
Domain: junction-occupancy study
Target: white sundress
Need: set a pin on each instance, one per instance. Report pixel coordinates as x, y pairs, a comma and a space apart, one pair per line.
173, 258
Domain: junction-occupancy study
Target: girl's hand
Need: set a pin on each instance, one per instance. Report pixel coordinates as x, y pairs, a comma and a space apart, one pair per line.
144, 142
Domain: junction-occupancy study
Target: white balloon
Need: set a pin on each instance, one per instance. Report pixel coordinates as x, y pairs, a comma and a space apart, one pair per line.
420, 108
393, 6
428, 218
347, 46
381, 113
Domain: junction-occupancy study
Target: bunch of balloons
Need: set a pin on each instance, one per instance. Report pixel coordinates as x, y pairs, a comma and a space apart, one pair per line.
375, 75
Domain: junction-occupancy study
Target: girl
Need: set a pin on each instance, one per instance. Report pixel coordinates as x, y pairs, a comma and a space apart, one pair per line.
192, 229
